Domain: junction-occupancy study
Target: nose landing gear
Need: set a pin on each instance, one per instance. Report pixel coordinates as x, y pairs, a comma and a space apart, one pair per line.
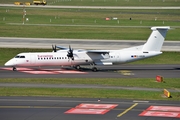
14, 69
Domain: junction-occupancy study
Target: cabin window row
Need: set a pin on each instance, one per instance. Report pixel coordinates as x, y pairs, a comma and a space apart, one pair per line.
52, 58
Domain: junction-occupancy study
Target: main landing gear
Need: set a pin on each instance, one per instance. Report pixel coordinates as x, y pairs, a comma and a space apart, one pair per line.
77, 67
93, 68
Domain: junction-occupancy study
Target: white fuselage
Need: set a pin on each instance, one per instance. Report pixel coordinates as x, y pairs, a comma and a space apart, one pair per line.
80, 58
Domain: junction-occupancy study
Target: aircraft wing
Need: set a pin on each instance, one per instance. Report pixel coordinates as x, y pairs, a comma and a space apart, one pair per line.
65, 48
87, 51
98, 54
98, 51
62, 48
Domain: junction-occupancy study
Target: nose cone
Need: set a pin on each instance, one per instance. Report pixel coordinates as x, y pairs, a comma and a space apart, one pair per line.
9, 63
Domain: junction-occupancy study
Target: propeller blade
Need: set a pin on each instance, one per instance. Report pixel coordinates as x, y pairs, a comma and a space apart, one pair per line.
54, 48
70, 53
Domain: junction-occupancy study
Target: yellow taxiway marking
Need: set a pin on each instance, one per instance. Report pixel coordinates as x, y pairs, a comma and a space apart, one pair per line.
127, 110
125, 72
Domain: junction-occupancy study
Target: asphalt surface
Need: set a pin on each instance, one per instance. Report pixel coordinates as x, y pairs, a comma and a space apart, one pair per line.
80, 43
55, 108
117, 71
123, 71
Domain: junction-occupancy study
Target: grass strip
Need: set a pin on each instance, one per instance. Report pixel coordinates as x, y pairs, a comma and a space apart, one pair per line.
86, 23
86, 93
170, 83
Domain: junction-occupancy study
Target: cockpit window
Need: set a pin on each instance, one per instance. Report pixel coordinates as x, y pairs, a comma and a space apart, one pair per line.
17, 56
22, 56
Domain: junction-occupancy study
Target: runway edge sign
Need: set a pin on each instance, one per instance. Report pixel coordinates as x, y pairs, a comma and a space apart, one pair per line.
167, 93
159, 78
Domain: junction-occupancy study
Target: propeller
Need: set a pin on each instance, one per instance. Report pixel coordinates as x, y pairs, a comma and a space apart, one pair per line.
70, 53
54, 48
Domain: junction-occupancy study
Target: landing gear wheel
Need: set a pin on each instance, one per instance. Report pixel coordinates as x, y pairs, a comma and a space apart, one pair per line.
78, 67
94, 69
14, 69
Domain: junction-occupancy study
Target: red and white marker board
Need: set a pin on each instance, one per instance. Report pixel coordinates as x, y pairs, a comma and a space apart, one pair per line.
104, 106
162, 111
160, 114
164, 108
86, 111
40, 72
91, 108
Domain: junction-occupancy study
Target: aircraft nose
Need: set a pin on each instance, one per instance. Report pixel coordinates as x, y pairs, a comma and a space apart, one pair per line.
9, 63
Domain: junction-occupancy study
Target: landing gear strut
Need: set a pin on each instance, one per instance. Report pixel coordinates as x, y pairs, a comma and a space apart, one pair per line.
14, 69
94, 69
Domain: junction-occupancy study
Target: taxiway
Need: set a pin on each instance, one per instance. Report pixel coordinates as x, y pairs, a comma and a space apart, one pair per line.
55, 108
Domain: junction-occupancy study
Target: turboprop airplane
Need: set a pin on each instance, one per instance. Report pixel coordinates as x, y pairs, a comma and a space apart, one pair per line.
76, 58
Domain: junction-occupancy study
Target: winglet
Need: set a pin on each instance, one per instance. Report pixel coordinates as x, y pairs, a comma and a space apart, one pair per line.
156, 39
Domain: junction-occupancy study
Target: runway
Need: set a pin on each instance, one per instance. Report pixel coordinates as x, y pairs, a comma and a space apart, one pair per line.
55, 108
80, 43
118, 71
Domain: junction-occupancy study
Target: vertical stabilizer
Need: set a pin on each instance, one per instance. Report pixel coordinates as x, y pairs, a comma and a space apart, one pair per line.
156, 39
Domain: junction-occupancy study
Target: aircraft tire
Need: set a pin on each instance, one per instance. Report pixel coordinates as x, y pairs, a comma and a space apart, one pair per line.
78, 67
94, 69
